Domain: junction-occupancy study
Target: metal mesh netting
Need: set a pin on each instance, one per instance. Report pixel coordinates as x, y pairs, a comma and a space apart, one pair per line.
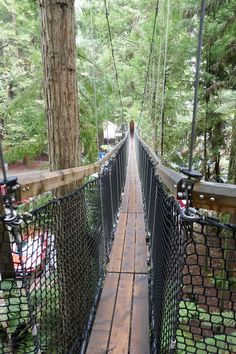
192, 276
52, 266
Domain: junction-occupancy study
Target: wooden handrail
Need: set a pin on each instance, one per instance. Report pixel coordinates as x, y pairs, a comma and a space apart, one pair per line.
34, 185
220, 197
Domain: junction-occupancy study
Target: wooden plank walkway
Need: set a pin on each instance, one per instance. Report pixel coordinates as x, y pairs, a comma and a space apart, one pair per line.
122, 320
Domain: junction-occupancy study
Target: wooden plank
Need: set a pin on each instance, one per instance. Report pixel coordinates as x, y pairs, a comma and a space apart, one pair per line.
140, 246
119, 341
99, 338
129, 245
35, 185
139, 200
125, 201
220, 197
118, 245
139, 341
132, 206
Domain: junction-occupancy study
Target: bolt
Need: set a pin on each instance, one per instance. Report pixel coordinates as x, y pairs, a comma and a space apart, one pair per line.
212, 199
201, 196
24, 189
28, 188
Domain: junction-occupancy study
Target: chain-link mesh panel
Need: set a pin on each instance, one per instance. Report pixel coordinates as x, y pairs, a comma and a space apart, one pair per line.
207, 316
52, 266
192, 273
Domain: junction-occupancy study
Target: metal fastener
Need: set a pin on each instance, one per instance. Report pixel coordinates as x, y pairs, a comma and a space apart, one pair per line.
201, 196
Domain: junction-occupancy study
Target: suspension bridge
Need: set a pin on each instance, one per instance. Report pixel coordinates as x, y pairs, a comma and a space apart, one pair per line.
119, 265
128, 261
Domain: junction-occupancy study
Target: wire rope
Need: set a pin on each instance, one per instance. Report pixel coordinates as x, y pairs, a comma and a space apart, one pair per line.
149, 62
196, 85
114, 60
106, 106
94, 75
164, 77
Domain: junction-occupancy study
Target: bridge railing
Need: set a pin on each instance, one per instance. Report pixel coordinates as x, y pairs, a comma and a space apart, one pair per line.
193, 273
53, 262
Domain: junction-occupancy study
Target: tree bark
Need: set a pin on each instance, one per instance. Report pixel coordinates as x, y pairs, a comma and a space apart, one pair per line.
59, 60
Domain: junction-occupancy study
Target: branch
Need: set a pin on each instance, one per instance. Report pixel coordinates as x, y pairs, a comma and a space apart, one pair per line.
4, 46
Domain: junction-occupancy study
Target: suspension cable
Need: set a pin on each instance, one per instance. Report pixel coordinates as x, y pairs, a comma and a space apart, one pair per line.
197, 78
164, 77
149, 62
114, 60
157, 87
94, 75
106, 105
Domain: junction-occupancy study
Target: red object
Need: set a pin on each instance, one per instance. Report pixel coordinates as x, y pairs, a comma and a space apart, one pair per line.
182, 203
3, 189
33, 254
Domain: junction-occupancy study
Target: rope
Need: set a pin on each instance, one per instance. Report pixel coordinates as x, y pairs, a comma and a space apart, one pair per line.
94, 74
149, 63
114, 60
158, 78
106, 106
197, 78
164, 78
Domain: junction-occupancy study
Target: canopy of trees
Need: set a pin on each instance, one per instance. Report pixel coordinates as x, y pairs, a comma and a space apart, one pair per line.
168, 80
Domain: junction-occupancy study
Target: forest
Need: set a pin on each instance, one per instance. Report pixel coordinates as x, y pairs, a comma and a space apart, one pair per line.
135, 61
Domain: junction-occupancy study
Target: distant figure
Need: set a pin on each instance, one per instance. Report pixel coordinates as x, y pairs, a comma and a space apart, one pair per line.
131, 127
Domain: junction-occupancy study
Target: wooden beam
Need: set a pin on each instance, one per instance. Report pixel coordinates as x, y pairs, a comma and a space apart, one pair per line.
170, 178
220, 197
44, 182
32, 186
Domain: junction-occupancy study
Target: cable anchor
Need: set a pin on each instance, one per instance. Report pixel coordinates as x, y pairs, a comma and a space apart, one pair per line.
185, 192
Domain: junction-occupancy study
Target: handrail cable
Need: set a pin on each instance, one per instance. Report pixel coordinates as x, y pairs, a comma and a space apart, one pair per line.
114, 59
149, 62
196, 86
164, 77
94, 74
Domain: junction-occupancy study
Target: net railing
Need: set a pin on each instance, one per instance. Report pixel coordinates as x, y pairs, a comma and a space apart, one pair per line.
192, 272
52, 266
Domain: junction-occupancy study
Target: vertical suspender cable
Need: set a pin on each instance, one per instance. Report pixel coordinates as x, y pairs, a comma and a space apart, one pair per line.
149, 62
106, 105
197, 78
94, 74
114, 61
164, 77
157, 83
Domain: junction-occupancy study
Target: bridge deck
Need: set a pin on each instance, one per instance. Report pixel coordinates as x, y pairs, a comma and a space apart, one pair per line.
122, 320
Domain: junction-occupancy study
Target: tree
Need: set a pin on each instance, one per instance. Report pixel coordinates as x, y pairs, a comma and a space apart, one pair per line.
59, 61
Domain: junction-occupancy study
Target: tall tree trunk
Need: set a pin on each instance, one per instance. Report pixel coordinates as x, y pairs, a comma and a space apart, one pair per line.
232, 162
59, 59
